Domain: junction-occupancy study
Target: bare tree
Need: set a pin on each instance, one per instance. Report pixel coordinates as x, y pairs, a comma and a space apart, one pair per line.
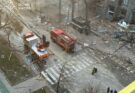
6, 23
59, 80
11, 25
61, 76
16, 3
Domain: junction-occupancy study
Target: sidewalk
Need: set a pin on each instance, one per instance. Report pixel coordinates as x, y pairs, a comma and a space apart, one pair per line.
5, 82
31, 84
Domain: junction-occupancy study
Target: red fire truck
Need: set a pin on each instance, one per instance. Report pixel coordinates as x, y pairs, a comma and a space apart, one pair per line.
38, 47
63, 39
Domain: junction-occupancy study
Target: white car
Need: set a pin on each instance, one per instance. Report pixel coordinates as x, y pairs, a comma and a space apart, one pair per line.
123, 24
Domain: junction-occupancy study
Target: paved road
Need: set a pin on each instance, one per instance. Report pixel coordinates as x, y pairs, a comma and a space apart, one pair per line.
81, 64
32, 84
77, 73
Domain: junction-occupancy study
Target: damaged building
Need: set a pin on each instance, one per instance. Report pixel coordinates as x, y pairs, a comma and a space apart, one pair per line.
120, 9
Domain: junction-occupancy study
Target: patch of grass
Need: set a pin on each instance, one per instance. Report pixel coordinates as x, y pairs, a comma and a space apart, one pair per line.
42, 90
13, 70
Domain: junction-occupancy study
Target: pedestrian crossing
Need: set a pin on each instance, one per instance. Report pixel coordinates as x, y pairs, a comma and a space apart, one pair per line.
78, 63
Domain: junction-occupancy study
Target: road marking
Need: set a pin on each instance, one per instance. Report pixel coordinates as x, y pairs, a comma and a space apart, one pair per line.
57, 69
60, 66
66, 71
78, 63
47, 78
88, 60
55, 73
78, 66
76, 69
51, 75
87, 64
84, 66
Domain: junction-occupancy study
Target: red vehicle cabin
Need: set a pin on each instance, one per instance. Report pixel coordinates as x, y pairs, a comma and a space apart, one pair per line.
63, 39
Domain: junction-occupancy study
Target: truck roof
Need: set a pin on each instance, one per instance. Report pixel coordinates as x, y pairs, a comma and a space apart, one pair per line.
31, 38
63, 35
58, 31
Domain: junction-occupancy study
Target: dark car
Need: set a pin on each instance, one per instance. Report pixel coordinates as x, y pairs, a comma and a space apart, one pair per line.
81, 25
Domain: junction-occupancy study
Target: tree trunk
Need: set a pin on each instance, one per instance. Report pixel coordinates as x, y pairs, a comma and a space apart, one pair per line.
59, 80
60, 10
73, 8
0, 17
117, 9
86, 10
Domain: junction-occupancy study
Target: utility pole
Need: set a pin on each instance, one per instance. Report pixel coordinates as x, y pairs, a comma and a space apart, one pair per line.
73, 8
60, 3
